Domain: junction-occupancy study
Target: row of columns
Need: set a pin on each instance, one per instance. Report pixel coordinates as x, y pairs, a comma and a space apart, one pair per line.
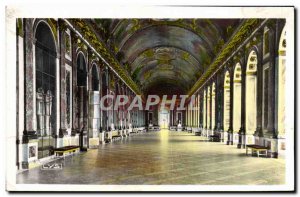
239, 100
77, 109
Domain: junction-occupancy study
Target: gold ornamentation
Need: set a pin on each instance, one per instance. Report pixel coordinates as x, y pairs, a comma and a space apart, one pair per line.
245, 30
90, 36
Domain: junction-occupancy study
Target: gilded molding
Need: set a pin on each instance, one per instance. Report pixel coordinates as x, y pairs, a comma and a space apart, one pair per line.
91, 37
53, 26
20, 27
236, 40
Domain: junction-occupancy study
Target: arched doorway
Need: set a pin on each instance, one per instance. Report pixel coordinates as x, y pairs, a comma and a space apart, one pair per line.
95, 78
251, 96
226, 104
94, 104
208, 112
104, 93
213, 108
111, 103
128, 117
45, 69
164, 119
281, 92
237, 94
117, 111
204, 113
81, 93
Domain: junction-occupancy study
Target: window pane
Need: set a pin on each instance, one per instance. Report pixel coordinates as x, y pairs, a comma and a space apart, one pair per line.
46, 82
39, 80
52, 65
45, 78
45, 62
39, 59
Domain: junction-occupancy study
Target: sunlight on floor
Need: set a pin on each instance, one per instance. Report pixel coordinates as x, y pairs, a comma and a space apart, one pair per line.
164, 157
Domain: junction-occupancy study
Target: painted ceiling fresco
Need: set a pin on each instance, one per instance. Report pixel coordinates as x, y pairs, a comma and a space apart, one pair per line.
165, 55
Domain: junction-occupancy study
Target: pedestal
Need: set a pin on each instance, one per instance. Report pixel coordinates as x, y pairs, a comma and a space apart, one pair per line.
241, 143
94, 142
59, 142
222, 137
101, 138
281, 147
226, 137
274, 148
235, 138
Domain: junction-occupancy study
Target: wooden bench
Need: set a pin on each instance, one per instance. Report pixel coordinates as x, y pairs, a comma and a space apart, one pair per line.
141, 129
116, 137
134, 132
214, 138
153, 128
173, 128
66, 150
257, 149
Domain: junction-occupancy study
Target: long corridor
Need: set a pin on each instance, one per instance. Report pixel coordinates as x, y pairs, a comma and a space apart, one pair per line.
164, 157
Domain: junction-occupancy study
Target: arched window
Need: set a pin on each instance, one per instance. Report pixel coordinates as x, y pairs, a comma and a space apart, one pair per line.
81, 92
237, 96
104, 92
95, 78
204, 109
213, 106
118, 118
104, 84
81, 70
45, 59
226, 101
208, 108
281, 85
251, 95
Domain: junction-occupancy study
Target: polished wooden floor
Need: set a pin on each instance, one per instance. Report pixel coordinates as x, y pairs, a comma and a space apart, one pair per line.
165, 157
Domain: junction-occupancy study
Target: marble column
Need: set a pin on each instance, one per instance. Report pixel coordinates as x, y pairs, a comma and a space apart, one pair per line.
198, 110
201, 111
20, 92
186, 117
271, 89
209, 111
271, 132
242, 133
204, 112
62, 128
258, 132
74, 101
171, 118
213, 108
30, 118
220, 105
230, 130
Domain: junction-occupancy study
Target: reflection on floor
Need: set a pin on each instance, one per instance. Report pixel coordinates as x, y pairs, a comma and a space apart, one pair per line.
165, 157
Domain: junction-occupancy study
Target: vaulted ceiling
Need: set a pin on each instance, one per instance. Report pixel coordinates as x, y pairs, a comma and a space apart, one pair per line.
165, 56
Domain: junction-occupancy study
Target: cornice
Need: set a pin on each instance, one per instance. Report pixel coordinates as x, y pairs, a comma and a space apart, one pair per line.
244, 31
102, 49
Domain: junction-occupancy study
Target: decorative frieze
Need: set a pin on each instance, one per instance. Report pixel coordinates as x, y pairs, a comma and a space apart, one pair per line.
53, 25
104, 52
244, 31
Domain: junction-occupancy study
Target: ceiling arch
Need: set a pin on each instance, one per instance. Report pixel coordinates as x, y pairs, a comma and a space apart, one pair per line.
149, 52
172, 51
174, 57
165, 35
132, 26
169, 76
